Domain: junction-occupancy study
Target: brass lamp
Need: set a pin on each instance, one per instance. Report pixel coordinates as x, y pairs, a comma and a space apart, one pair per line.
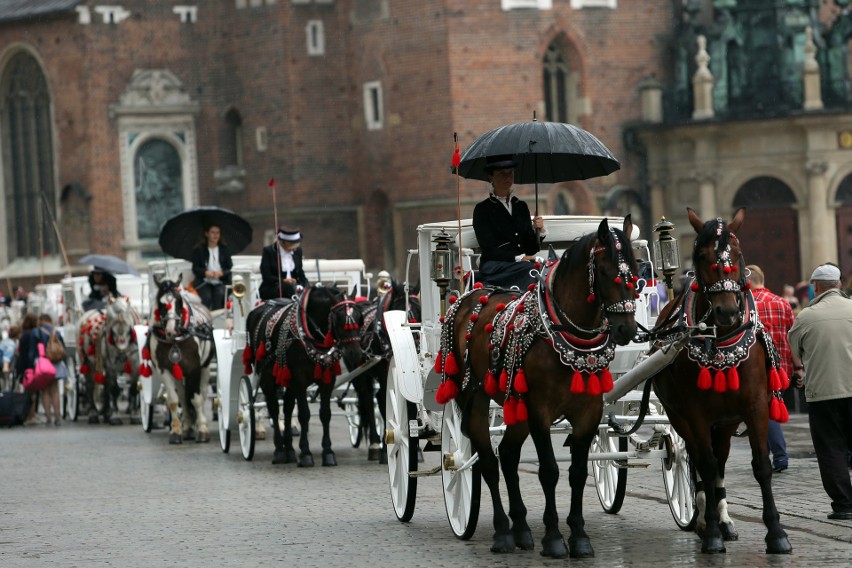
442, 263
666, 253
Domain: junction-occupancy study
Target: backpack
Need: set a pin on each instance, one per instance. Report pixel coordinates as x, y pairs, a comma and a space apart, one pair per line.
55, 350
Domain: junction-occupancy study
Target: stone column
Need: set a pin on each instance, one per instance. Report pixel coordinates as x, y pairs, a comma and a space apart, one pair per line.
810, 74
652, 100
702, 84
821, 225
657, 191
706, 194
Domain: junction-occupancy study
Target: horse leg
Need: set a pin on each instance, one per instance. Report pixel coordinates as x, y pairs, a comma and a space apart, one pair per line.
367, 414
712, 541
187, 417
306, 458
328, 457
279, 456
173, 401
510, 457
106, 399
721, 436
381, 392
776, 539
90, 395
553, 543
198, 401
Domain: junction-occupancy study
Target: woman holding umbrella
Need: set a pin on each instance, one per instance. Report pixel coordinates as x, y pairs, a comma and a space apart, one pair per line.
211, 265
509, 240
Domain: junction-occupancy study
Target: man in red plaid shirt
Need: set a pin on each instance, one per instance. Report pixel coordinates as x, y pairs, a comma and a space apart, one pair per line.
777, 316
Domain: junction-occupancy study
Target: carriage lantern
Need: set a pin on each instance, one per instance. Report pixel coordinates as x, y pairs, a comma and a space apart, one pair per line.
666, 253
442, 261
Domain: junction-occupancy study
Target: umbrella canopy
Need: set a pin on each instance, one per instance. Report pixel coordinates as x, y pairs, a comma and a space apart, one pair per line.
109, 263
181, 234
546, 152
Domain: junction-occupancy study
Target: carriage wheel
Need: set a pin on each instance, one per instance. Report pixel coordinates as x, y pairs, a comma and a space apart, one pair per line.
678, 481
71, 399
610, 479
402, 450
354, 420
246, 418
459, 474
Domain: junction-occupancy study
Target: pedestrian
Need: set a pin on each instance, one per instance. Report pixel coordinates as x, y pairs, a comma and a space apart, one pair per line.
50, 394
820, 340
8, 346
26, 360
281, 265
776, 314
211, 265
790, 297
103, 284
508, 237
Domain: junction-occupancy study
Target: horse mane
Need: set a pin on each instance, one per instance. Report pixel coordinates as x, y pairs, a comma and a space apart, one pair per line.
708, 234
578, 251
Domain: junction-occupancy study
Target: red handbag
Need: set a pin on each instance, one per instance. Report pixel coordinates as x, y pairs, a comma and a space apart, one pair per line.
37, 378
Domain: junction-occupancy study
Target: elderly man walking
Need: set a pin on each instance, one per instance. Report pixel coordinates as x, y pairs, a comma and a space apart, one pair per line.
821, 338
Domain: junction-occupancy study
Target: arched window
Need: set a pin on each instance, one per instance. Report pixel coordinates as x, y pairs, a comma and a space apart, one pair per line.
159, 186
557, 87
28, 174
232, 141
764, 192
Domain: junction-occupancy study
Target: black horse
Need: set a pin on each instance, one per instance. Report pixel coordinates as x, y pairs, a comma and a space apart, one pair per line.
375, 343
294, 344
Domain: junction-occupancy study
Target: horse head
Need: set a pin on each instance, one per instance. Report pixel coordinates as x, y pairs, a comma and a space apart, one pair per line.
344, 324
396, 300
120, 319
170, 313
720, 277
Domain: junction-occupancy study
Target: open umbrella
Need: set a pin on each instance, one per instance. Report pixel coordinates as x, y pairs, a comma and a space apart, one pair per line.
546, 152
182, 233
109, 263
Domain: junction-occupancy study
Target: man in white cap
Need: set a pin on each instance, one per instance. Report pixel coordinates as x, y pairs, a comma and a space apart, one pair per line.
281, 265
821, 342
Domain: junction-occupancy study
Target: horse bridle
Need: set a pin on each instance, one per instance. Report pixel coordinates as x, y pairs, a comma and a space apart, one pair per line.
182, 327
723, 259
349, 323
624, 276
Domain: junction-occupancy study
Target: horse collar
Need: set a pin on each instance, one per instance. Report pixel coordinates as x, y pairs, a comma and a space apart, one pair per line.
722, 352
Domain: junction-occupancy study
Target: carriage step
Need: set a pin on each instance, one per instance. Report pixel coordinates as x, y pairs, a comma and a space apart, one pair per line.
425, 472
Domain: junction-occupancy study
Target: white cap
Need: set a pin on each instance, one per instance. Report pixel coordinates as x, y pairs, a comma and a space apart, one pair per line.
826, 272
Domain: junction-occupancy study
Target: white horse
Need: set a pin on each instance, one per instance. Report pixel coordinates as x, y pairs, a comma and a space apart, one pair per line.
180, 346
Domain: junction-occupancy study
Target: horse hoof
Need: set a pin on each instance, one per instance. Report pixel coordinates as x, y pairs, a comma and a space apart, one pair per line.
294, 431
778, 545
728, 531
306, 460
373, 454
524, 539
94, 420
189, 434
328, 460
202, 438
554, 548
115, 421
713, 545
279, 457
581, 547
383, 457
175, 439
503, 543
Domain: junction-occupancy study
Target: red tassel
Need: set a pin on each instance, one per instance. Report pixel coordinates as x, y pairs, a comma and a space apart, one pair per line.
328, 341
606, 381
85, 369
276, 370
177, 372
446, 392
450, 366
91, 350
694, 286
720, 384
326, 376
521, 411
774, 380
127, 368
577, 386
491, 388
785, 414
705, 381
335, 368
248, 357
286, 375
733, 379
146, 353
100, 378
247, 370
261, 352
593, 388
438, 363
456, 157
145, 370
317, 372
785, 380
278, 373
774, 409
591, 298
520, 382
504, 380
510, 411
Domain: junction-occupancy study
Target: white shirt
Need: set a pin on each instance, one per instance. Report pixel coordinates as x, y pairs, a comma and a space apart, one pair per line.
213, 264
287, 262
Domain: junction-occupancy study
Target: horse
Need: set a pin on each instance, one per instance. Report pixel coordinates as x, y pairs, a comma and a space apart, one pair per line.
376, 343
542, 354
180, 346
106, 348
294, 344
720, 379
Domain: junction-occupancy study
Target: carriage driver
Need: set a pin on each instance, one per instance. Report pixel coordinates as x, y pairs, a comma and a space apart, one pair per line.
103, 285
509, 240
285, 253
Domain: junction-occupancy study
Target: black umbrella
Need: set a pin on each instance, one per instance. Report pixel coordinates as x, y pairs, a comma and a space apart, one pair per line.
182, 233
546, 152
109, 263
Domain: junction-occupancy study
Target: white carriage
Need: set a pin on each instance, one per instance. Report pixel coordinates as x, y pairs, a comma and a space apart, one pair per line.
413, 414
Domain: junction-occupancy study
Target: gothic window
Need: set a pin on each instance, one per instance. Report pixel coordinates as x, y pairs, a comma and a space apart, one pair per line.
556, 76
232, 141
27, 140
159, 186
764, 192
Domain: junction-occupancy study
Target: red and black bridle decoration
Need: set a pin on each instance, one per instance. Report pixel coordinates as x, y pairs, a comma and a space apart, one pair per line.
722, 247
625, 276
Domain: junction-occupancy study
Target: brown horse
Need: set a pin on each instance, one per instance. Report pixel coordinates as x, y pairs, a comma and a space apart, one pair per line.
550, 346
721, 379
